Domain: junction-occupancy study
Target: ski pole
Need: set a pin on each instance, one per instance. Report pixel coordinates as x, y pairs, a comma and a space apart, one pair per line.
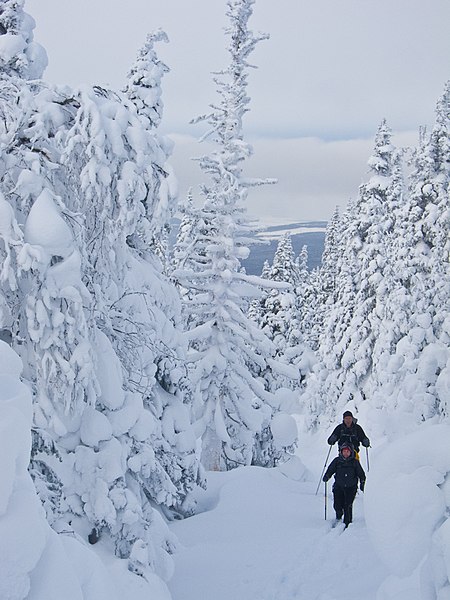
367, 457
325, 500
323, 470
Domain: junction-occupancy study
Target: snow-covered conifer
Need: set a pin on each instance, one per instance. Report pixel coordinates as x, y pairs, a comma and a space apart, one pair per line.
353, 322
417, 366
228, 351
284, 266
274, 319
256, 304
144, 81
136, 312
319, 293
280, 314
20, 55
145, 92
330, 256
85, 303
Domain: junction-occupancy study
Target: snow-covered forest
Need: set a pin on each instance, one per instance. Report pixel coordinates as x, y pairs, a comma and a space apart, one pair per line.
147, 388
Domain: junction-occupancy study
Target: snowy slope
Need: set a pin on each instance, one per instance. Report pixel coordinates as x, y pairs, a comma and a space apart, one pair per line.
260, 533
263, 535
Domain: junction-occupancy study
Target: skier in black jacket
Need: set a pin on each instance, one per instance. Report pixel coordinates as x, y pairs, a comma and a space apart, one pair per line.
349, 431
347, 471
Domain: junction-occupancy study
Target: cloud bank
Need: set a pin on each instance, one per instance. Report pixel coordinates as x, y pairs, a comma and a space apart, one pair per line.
314, 175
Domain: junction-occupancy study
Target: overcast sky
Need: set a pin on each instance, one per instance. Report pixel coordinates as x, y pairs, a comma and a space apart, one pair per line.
331, 70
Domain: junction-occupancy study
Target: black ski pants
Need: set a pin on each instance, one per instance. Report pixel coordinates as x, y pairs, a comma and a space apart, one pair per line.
343, 502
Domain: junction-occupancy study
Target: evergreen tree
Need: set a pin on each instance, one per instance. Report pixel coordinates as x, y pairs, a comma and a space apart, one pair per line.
136, 315
84, 301
20, 55
144, 91
280, 315
227, 350
303, 291
278, 306
284, 266
353, 322
256, 304
144, 81
330, 256
190, 256
386, 336
377, 203
319, 293
417, 362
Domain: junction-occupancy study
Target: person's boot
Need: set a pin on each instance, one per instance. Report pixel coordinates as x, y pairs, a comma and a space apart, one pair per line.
347, 516
337, 520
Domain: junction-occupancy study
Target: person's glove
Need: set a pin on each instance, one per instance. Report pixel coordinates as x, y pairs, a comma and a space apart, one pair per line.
361, 485
366, 442
324, 478
332, 440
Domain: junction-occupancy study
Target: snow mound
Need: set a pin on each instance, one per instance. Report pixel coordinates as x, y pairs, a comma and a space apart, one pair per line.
10, 363
284, 430
406, 505
35, 562
294, 469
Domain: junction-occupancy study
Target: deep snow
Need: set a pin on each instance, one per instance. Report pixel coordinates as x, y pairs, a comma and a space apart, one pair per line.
35, 562
262, 535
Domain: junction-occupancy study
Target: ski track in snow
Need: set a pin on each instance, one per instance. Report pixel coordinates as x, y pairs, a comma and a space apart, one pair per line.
264, 537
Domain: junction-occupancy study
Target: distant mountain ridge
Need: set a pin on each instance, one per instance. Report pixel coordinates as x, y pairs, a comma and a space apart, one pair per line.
297, 225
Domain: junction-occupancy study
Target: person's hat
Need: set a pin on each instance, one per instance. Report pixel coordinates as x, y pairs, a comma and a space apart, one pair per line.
348, 446
347, 414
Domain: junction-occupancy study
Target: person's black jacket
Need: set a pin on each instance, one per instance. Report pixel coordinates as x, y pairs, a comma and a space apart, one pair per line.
353, 435
347, 472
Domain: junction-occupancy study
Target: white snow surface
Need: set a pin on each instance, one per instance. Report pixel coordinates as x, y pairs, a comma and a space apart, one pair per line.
260, 534
35, 562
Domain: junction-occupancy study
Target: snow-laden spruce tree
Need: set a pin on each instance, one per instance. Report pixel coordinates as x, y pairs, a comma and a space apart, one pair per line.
354, 321
306, 293
277, 309
284, 269
120, 164
371, 247
144, 90
144, 81
284, 266
318, 289
85, 303
416, 368
189, 254
280, 317
256, 304
29, 172
330, 255
227, 350
20, 55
